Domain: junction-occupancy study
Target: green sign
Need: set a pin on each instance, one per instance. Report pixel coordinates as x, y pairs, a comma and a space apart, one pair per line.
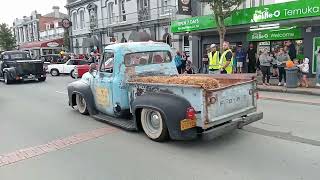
315, 60
268, 13
278, 34
193, 24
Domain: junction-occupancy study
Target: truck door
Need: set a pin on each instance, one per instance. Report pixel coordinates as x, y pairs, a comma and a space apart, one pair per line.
103, 83
69, 66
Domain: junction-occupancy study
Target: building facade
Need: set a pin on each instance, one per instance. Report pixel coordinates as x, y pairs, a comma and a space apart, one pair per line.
97, 23
27, 29
268, 24
40, 34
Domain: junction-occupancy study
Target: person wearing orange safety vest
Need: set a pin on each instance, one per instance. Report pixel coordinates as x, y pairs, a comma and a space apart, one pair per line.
214, 60
226, 60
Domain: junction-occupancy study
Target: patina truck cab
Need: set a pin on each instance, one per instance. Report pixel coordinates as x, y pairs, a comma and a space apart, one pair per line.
177, 111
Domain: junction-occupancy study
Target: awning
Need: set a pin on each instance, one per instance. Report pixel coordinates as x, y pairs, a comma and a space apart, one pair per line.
43, 44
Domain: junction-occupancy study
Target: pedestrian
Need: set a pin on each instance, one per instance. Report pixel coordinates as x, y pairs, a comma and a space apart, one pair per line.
214, 60
275, 72
240, 58
226, 59
318, 69
189, 69
282, 58
304, 68
184, 59
292, 51
205, 61
178, 62
265, 63
252, 59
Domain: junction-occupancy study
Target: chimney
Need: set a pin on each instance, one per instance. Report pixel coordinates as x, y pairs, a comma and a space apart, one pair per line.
56, 11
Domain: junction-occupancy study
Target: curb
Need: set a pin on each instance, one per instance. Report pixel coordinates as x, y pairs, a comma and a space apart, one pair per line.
290, 101
291, 91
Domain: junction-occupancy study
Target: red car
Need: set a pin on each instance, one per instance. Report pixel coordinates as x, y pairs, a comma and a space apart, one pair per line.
80, 70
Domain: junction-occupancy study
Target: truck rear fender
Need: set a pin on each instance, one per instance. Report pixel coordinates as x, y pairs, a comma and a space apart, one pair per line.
173, 109
84, 89
11, 72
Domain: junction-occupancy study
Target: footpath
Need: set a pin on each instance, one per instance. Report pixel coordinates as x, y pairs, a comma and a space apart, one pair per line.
312, 90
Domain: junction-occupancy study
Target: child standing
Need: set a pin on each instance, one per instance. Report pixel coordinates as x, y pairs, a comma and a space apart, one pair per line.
304, 67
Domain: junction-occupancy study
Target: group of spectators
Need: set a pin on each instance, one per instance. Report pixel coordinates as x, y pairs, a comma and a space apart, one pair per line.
184, 66
256, 62
280, 59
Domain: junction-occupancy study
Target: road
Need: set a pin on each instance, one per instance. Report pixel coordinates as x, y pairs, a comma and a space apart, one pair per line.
284, 145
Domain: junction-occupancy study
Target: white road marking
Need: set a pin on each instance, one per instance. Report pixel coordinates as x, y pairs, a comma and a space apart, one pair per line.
59, 92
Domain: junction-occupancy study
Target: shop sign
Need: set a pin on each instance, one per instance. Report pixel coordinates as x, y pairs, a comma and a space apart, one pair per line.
193, 24
268, 13
52, 44
66, 23
315, 59
271, 35
184, 7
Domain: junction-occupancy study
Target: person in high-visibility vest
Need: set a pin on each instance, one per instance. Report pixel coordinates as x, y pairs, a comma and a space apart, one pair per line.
214, 60
226, 59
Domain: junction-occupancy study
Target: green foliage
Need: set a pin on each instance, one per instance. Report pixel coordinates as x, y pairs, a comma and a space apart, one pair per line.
7, 40
222, 9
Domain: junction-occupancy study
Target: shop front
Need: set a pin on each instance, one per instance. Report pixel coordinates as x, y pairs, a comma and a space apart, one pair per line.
272, 40
43, 48
267, 27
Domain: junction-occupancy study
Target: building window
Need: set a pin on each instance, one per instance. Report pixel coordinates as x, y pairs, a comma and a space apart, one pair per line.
82, 23
165, 6
75, 21
123, 16
143, 10
110, 13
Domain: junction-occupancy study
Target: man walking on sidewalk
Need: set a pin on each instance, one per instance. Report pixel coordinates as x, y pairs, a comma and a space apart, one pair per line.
226, 59
214, 64
240, 59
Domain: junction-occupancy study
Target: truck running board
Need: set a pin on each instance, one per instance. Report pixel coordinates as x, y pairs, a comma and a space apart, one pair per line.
127, 124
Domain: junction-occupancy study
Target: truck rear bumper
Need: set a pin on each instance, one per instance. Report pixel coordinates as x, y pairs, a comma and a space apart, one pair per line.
235, 124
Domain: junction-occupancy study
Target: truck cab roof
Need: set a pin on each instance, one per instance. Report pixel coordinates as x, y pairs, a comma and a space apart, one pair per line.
15, 55
132, 47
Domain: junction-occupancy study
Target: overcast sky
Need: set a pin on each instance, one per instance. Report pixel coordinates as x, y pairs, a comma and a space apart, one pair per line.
11, 9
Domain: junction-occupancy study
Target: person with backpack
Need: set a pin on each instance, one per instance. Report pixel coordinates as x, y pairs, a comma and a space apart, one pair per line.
178, 62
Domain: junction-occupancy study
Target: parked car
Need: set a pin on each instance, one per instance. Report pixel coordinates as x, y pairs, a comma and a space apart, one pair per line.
19, 66
66, 68
177, 111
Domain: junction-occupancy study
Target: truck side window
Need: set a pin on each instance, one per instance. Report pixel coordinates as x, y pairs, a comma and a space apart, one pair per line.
107, 62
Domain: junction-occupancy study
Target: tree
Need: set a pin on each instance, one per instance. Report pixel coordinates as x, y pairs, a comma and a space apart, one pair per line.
222, 9
66, 39
7, 39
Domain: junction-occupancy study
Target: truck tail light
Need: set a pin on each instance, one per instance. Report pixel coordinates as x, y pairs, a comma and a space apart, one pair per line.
191, 113
257, 95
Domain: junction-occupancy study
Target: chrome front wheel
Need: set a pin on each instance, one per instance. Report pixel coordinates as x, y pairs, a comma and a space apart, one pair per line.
81, 104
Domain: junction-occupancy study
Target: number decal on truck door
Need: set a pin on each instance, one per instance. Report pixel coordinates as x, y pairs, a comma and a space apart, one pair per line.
102, 97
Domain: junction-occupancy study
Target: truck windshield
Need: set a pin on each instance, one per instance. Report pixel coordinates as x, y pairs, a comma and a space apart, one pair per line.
145, 58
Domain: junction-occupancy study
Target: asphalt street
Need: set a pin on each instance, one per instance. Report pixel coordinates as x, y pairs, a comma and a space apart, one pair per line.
284, 145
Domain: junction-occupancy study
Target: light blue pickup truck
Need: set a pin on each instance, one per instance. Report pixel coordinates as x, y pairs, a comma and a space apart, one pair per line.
162, 111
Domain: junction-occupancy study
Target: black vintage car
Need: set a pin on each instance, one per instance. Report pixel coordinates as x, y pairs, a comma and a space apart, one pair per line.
19, 66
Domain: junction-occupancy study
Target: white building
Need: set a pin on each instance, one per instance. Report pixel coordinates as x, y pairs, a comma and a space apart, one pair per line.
41, 35
99, 22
